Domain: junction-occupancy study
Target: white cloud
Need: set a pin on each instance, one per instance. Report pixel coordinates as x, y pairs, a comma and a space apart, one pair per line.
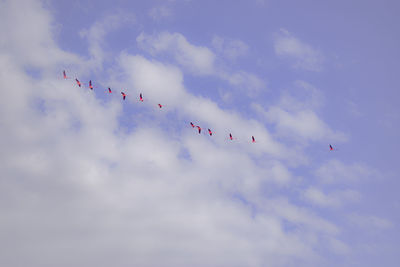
337, 172
295, 115
230, 48
339, 247
166, 87
248, 81
307, 96
96, 34
198, 60
333, 199
131, 195
304, 123
226, 95
26, 43
305, 56
295, 214
77, 189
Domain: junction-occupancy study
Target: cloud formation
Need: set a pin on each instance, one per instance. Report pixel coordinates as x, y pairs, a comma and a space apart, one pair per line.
295, 115
333, 199
335, 171
304, 56
96, 34
26, 43
199, 60
230, 48
93, 182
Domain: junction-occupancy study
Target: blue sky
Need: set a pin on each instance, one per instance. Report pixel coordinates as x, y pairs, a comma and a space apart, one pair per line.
90, 180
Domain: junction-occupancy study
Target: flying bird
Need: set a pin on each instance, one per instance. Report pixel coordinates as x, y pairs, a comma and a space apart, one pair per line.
331, 148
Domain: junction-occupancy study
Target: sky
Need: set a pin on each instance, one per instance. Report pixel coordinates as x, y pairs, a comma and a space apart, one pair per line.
89, 179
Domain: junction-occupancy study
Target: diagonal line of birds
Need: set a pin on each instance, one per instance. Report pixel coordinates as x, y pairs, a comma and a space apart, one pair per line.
141, 99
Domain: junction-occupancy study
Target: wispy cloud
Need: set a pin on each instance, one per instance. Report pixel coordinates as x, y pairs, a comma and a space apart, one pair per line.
139, 72
198, 60
230, 48
335, 171
304, 56
295, 115
370, 222
333, 199
95, 35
